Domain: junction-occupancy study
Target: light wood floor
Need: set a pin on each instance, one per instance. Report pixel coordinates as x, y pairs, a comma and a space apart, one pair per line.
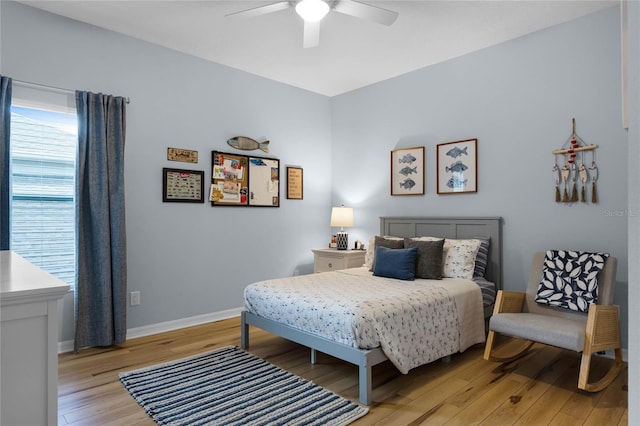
539, 389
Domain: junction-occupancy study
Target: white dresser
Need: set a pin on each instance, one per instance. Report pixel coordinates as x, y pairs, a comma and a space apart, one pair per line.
332, 260
28, 342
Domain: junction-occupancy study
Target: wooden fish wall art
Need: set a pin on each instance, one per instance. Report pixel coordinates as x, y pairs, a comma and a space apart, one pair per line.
247, 144
572, 179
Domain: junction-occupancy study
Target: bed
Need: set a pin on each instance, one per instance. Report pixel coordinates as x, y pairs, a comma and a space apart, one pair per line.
437, 326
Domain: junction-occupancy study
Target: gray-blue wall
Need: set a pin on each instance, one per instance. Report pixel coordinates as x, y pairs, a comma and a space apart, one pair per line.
517, 98
187, 259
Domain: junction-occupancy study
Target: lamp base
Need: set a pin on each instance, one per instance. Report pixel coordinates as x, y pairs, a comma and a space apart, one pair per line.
342, 238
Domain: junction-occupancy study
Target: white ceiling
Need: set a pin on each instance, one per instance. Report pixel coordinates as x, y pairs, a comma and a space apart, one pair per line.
353, 53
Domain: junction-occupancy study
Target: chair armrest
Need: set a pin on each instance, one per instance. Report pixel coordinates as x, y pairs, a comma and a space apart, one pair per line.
509, 302
603, 328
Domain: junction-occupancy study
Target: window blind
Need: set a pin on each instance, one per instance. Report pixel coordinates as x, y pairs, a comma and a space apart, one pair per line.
43, 149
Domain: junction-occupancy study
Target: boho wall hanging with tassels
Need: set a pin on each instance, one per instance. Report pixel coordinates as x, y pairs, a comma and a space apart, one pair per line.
566, 177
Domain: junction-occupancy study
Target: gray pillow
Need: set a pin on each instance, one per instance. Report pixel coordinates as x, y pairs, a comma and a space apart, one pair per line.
481, 258
428, 259
388, 243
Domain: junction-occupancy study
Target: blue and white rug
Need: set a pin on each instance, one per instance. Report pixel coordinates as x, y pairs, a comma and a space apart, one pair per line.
229, 386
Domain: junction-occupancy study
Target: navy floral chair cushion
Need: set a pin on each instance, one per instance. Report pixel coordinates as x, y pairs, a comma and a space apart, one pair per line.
570, 279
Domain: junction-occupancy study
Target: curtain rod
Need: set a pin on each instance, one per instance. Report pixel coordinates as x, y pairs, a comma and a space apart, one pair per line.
58, 89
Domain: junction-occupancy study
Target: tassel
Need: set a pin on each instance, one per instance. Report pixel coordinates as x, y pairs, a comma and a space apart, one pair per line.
557, 194
583, 196
594, 192
574, 193
565, 196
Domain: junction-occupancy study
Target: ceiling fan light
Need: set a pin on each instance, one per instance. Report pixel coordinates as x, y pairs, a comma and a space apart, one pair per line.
312, 10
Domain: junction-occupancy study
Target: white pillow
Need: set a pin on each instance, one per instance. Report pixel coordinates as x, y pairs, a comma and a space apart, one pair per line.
459, 258
427, 238
371, 250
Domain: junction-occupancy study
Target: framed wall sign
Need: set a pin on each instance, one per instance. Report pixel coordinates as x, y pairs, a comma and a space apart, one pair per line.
407, 171
457, 166
184, 155
294, 183
184, 186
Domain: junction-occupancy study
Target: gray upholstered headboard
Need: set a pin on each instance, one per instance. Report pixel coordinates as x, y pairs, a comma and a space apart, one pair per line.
455, 227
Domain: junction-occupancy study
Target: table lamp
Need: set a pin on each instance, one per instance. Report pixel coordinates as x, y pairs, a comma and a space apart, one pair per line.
342, 216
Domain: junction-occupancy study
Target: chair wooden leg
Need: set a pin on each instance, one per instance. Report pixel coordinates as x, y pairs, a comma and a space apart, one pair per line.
585, 365
488, 349
602, 333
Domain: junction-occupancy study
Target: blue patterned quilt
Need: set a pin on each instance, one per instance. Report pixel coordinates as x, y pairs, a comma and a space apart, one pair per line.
414, 322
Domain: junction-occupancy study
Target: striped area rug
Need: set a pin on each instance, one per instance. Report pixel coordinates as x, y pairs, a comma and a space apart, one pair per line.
230, 386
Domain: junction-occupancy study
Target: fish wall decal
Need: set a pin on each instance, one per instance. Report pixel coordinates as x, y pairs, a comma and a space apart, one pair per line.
247, 144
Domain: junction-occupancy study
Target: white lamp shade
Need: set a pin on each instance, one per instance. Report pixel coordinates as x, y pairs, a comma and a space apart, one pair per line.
342, 216
312, 10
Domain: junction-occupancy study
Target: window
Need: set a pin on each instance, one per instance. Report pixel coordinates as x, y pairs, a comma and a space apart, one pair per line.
43, 151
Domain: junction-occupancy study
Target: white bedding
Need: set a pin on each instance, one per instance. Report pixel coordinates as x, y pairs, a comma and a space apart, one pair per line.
414, 322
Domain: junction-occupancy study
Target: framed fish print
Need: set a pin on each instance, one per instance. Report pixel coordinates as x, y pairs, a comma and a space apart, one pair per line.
457, 166
229, 179
407, 171
182, 186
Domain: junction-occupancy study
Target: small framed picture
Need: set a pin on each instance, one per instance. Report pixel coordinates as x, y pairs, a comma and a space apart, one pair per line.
294, 183
457, 166
182, 186
407, 171
184, 155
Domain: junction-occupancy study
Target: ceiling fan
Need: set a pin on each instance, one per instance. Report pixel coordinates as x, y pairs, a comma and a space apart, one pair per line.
312, 11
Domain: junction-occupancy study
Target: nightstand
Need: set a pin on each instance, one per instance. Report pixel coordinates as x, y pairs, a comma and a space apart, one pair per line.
331, 259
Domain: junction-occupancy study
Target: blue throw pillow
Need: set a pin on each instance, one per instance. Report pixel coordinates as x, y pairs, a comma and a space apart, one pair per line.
395, 263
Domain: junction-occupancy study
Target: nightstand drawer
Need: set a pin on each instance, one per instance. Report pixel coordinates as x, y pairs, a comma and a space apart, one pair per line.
325, 264
326, 260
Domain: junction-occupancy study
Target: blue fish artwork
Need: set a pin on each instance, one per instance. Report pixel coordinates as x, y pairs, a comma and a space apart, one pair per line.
257, 162
456, 183
407, 158
406, 171
457, 152
456, 167
408, 184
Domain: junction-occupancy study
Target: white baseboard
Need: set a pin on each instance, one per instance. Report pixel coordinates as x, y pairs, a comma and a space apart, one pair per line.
148, 330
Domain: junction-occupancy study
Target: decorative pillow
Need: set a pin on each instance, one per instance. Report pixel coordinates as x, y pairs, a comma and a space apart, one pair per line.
389, 242
460, 258
427, 238
482, 258
428, 257
395, 263
570, 279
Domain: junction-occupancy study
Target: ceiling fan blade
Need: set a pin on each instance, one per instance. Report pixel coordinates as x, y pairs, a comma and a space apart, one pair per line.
311, 34
366, 11
262, 10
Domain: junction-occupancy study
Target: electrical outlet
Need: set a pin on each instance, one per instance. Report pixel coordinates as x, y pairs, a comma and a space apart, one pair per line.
135, 298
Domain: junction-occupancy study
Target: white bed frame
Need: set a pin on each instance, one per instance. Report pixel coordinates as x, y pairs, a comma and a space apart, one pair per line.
365, 359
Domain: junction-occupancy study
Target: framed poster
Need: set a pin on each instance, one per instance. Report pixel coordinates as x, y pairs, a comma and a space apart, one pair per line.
264, 182
294, 183
407, 171
229, 179
182, 186
457, 167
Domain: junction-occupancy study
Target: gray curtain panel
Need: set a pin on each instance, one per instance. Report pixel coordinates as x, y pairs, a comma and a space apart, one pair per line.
5, 121
100, 302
